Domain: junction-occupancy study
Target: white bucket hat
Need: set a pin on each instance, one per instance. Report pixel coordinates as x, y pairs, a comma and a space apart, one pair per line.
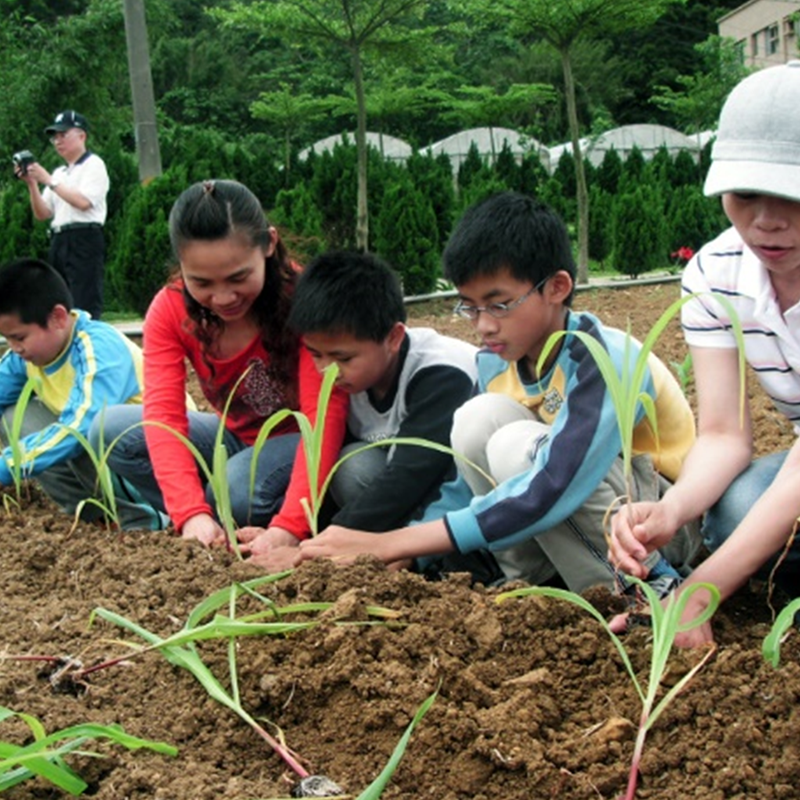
757, 148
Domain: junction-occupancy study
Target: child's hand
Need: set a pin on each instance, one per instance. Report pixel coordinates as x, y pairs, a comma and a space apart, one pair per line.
344, 545
205, 529
275, 549
636, 531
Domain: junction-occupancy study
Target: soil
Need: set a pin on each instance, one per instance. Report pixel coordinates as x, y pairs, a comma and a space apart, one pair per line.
533, 700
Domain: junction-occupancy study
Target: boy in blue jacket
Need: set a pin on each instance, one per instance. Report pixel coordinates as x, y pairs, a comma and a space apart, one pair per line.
550, 442
78, 366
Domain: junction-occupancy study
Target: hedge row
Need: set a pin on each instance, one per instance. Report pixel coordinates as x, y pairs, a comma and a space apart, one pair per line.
641, 212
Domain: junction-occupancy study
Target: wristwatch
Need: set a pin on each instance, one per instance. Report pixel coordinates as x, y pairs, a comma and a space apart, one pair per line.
53, 183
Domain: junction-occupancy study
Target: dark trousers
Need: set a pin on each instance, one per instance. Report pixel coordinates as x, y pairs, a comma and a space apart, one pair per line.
79, 255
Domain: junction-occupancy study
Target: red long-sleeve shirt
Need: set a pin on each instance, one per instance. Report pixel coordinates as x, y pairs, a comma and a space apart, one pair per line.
169, 346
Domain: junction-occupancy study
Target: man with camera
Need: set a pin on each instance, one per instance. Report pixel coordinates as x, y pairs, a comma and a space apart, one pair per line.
73, 197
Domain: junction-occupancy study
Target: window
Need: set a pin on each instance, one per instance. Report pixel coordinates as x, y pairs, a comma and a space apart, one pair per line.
754, 42
773, 40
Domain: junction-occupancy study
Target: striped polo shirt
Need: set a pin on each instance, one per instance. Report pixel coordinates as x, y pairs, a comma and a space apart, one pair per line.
772, 338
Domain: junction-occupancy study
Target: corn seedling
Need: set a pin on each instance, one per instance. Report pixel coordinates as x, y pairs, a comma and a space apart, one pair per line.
16, 463
683, 371
216, 473
626, 388
44, 755
375, 789
107, 502
312, 437
180, 650
771, 648
665, 622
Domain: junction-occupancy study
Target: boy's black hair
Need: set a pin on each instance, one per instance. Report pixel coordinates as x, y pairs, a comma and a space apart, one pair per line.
512, 231
31, 289
348, 292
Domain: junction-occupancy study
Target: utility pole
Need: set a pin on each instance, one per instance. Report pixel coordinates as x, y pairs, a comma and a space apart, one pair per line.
144, 106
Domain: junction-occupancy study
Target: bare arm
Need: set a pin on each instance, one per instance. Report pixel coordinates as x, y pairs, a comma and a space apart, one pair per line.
40, 209
344, 544
36, 175
722, 450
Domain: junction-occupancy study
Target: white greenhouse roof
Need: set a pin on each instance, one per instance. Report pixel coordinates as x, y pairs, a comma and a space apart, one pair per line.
648, 138
489, 142
390, 146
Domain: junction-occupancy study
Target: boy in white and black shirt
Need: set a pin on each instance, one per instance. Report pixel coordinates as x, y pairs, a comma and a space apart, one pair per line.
403, 382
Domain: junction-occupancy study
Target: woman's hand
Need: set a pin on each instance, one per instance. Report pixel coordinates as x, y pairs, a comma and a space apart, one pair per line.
275, 549
205, 529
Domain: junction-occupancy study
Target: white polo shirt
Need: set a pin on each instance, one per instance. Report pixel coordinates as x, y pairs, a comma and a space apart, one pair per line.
772, 337
89, 176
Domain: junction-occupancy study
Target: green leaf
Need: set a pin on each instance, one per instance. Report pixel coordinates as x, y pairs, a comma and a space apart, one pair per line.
771, 647
375, 789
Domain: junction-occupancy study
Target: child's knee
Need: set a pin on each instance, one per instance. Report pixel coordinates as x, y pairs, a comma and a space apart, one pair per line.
479, 418
512, 449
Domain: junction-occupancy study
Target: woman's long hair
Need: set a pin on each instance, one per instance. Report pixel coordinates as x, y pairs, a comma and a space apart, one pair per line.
214, 210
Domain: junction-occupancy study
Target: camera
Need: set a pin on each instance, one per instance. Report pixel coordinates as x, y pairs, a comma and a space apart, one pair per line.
23, 159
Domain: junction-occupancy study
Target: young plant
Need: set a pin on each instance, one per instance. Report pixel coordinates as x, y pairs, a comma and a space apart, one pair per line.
216, 473
771, 648
16, 464
180, 650
106, 480
375, 789
312, 437
44, 756
683, 371
665, 622
626, 388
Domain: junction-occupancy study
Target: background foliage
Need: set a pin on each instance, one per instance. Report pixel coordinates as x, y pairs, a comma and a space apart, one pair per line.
224, 102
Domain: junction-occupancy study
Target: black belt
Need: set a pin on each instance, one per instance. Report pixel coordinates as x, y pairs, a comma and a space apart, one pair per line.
74, 226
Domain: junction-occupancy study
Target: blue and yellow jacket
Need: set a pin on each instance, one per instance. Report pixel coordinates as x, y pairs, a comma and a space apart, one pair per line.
98, 367
584, 439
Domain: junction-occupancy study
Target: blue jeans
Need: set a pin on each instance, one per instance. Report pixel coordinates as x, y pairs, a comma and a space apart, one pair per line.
130, 459
724, 517
74, 480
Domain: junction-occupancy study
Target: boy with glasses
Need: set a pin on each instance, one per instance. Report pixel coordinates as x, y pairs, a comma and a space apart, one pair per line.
550, 442
74, 199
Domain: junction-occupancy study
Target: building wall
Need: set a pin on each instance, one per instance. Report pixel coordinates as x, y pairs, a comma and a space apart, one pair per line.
765, 31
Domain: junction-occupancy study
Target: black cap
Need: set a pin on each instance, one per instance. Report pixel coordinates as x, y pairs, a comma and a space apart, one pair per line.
67, 119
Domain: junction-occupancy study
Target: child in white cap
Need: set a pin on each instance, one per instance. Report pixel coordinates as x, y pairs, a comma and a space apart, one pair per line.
751, 508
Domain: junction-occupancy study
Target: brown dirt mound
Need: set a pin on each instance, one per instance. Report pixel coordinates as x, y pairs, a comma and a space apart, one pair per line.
533, 699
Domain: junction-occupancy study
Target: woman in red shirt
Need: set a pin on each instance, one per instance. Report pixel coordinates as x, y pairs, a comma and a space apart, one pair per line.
224, 313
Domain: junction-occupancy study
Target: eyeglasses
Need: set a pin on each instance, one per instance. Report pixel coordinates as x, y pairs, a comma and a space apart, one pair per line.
59, 135
496, 310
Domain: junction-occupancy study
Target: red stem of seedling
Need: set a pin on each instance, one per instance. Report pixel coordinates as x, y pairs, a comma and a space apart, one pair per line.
283, 752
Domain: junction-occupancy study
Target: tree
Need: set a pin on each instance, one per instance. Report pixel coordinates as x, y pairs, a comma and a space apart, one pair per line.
561, 25
697, 104
484, 105
639, 232
407, 235
289, 110
300, 220
353, 28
